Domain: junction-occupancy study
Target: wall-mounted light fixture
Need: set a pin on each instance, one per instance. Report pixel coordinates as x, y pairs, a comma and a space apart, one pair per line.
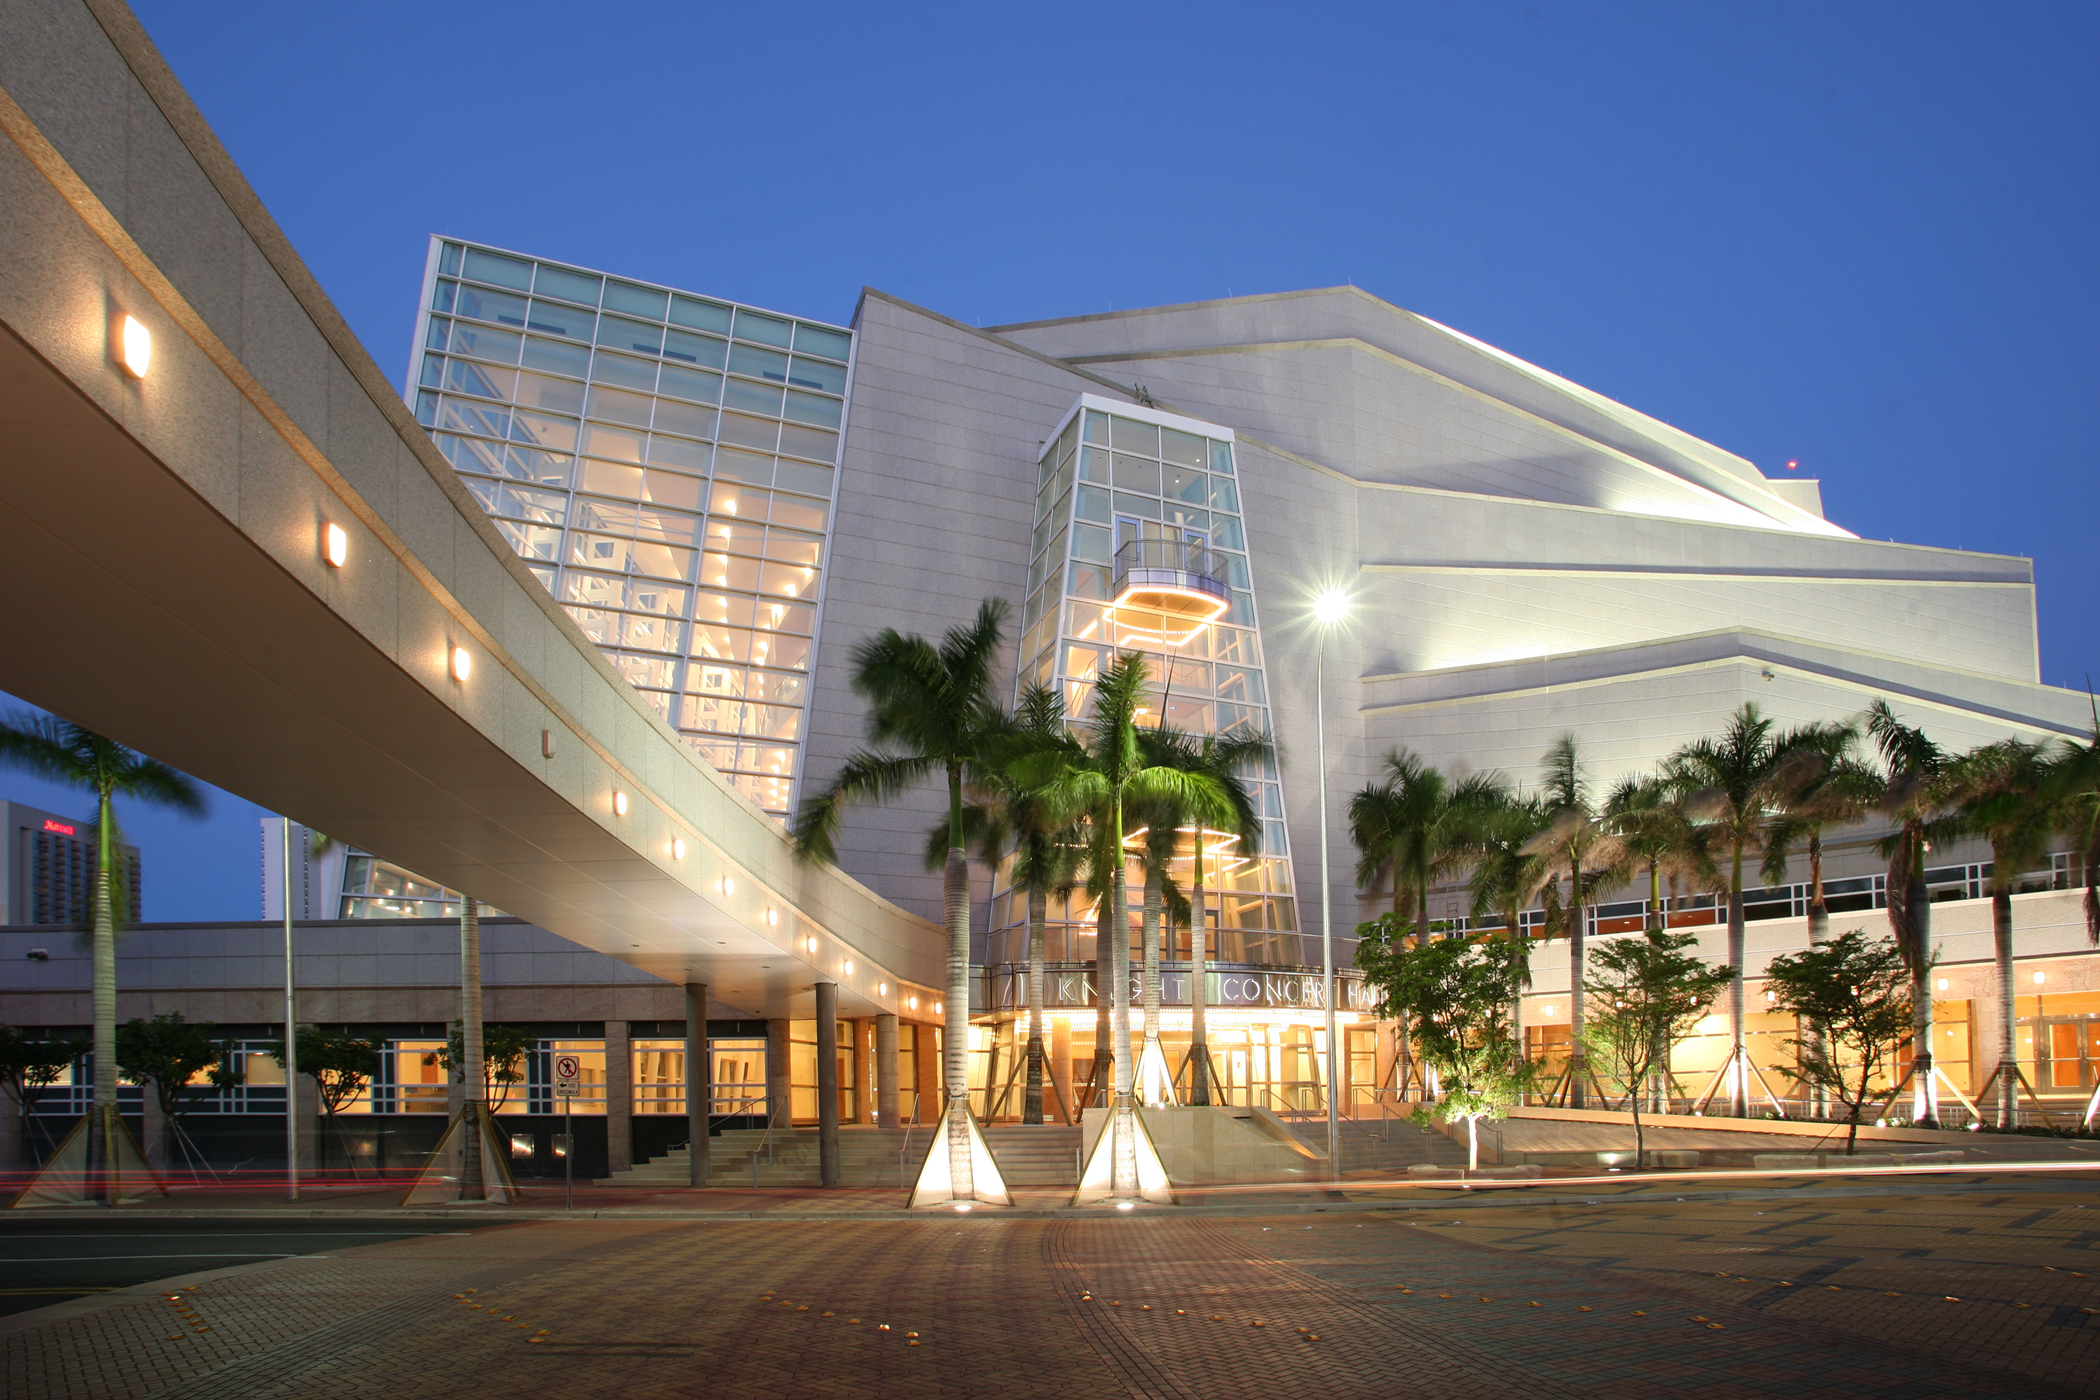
677, 848
619, 803
335, 545
849, 967
726, 885
2040, 977
134, 347
809, 944
912, 1002
882, 989
462, 664
938, 1010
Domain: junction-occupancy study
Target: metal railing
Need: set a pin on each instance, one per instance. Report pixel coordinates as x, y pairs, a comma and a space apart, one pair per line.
1172, 564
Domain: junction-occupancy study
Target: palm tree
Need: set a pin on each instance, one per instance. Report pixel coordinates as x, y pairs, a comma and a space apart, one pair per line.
1503, 881
1838, 791
1648, 816
1738, 783
1577, 847
1046, 856
2074, 793
1914, 797
67, 753
930, 709
2000, 789
1112, 780
1220, 760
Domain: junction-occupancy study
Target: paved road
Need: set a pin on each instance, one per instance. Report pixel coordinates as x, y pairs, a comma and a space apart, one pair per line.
1983, 1296
49, 1261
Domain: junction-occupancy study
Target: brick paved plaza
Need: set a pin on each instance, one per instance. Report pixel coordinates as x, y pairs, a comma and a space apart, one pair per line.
1957, 1288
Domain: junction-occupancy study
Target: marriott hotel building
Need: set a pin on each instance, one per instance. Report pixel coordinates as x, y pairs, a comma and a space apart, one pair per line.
727, 499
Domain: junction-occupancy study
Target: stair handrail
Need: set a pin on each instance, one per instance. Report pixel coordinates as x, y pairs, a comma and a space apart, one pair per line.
910, 1124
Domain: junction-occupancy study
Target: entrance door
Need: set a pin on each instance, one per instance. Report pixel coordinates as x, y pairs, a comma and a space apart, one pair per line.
2074, 1051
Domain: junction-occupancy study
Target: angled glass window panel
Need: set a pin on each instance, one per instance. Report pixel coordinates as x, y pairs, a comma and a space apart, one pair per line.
1093, 466
545, 391
485, 305
551, 281
669, 526
610, 517
647, 633
1067, 440
675, 451
805, 373
717, 644
1133, 436
799, 476
688, 419
1089, 580
702, 350
1224, 494
466, 377
1183, 449
641, 301
775, 687
787, 580
742, 430
432, 375
540, 468
610, 479
1137, 474
1236, 570
1221, 457
444, 296
816, 340
553, 318
650, 672
1226, 534
1058, 514
615, 443
794, 546
766, 330
538, 507
1143, 506
751, 398
1184, 675
485, 342
817, 412
620, 406
544, 573
700, 315
593, 590
467, 416
471, 454
663, 560
695, 384
556, 357
1091, 542
1240, 685
496, 269
1192, 714
1185, 519
774, 722
531, 541
673, 489
1096, 428
759, 364
814, 443
435, 336
488, 493
1241, 613
448, 258
734, 501
778, 649
799, 513
1185, 484
600, 626
646, 595
1235, 646
798, 618
623, 334
731, 571
724, 609
624, 370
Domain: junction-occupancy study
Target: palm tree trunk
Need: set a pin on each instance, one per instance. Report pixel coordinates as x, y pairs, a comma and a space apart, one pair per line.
1032, 1100
1655, 920
956, 1031
1123, 1116
1104, 1000
1738, 1050
103, 1124
2002, 948
1818, 934
1154, 902
1925, 1099
1199, 989
1578, 935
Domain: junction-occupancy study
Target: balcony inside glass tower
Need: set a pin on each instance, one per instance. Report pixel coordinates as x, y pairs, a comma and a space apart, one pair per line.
1170, 574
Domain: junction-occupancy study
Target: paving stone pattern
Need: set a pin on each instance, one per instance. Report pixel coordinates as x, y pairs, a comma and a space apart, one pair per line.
1725, 1299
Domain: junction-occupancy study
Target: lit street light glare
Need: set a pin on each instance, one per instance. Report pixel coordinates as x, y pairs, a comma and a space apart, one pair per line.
1331, 606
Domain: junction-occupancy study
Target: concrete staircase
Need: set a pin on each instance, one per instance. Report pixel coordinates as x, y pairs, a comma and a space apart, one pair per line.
1390, 1145
1029, 1157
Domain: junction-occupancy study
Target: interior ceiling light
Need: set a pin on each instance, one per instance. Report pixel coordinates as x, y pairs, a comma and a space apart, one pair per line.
335, 545
135, 347
462, 664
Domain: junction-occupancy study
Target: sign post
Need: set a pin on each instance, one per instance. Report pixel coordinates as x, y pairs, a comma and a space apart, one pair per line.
568, 1076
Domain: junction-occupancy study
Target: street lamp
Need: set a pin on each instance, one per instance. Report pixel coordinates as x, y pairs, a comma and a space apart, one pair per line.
1329, 608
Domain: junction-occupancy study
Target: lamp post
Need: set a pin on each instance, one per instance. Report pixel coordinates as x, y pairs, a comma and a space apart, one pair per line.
291, 1029
1328, 609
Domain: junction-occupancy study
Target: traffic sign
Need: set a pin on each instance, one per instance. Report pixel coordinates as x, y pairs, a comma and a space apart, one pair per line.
568, 1076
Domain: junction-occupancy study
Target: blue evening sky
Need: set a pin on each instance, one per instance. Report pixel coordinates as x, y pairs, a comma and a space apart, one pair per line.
1860, 236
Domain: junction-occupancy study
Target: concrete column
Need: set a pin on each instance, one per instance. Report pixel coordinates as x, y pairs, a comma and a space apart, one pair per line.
864, 1076
886, 1070
699, 1079
1060, 1067
780, 1086
828, 1083
928, 1061
619, 1097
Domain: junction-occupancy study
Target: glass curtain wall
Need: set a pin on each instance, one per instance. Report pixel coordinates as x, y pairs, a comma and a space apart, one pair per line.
664, 464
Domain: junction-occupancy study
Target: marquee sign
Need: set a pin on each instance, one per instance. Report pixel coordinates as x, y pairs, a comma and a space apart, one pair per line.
1073, 989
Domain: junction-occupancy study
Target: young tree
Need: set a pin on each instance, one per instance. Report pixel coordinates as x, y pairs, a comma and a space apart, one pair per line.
931, 713
1854, 994
1580, 849
168, 1052
339, 1065
28, 1066
66, 753
1454, 993
503, 1052
1649, 994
